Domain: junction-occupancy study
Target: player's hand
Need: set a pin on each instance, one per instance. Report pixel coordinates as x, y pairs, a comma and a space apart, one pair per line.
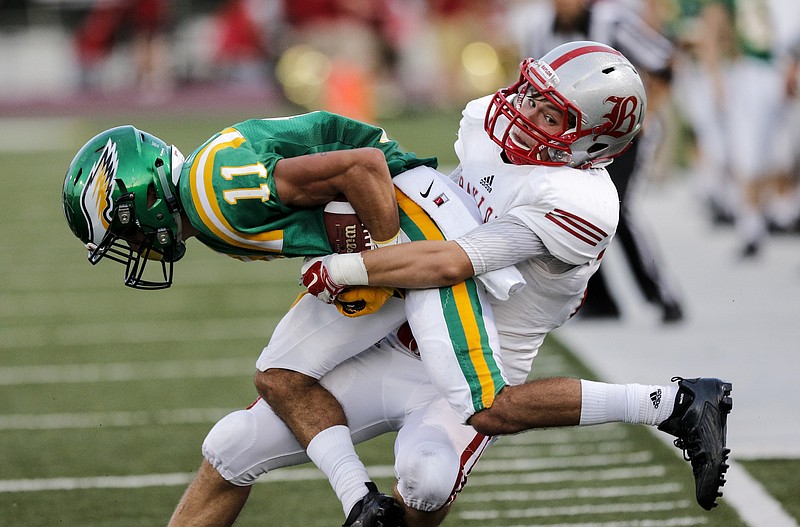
362, 300
315, 277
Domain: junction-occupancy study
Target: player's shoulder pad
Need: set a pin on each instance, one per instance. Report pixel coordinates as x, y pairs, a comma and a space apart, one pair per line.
476, 109
576, 212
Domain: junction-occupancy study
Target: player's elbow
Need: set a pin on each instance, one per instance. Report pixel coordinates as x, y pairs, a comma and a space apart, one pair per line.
452, 266
369, 162
452, 273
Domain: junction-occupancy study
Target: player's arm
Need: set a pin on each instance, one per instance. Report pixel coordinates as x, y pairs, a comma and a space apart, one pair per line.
422, 264
360, 174
491, 246
432, 263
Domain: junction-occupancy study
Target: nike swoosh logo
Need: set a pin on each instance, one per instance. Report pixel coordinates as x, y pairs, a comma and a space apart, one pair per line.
313, 281
425, 194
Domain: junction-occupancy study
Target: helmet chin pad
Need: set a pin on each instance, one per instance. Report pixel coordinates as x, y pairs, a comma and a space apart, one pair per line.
128, 243
135, 259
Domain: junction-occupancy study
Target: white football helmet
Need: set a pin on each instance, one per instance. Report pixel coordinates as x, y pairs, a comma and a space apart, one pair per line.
599, 94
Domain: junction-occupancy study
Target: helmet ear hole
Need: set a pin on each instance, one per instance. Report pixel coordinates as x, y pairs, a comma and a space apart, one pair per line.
596, 147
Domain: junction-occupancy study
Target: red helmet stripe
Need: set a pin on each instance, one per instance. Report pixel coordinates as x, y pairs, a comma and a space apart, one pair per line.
577, 52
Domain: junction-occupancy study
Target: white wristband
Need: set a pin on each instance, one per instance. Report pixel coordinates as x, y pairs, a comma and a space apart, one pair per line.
394, 240
348, 269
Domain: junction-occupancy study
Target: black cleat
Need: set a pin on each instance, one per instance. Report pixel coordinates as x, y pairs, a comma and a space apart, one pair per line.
375, 510
699, 421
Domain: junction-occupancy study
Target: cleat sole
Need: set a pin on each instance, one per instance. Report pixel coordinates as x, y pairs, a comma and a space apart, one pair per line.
726, 404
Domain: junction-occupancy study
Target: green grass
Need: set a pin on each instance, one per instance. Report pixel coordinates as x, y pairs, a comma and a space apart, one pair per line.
63, 321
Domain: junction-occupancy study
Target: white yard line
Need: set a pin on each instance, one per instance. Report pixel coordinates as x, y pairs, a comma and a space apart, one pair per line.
92, 333
500, 451
555, 476
159, 480
572, 493
574, 510
562, 436
125, 371
63, 421
685, 521
753, 503
527, 465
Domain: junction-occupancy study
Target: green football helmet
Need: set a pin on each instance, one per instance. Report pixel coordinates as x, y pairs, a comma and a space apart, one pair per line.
120, 200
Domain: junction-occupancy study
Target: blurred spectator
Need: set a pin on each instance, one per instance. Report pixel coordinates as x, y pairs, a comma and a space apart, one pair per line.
146, 24
783, 210
350, 37
540, 26
735, 93
95, 39
248, 36
787, 210
472, 44
695, 100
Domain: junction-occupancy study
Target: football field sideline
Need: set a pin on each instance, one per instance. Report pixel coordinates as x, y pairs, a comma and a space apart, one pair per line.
740, 326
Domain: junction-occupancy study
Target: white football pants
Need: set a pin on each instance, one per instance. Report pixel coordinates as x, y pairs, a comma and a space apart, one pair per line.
383, 389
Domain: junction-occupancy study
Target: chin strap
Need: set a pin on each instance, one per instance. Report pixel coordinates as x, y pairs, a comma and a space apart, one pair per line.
180, 245
174, 208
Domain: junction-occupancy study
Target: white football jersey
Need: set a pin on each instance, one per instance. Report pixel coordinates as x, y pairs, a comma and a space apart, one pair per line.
574, 212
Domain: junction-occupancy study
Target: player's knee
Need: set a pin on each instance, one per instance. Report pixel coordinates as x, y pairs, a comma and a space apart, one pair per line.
226, 443
427, 475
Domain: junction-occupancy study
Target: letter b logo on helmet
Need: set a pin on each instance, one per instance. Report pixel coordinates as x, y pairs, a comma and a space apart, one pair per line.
622, 117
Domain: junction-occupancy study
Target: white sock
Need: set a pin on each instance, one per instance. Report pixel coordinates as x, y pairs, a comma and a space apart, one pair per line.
626, 403
333, 452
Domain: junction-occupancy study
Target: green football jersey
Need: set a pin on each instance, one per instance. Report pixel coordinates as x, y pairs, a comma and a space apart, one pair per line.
228, 191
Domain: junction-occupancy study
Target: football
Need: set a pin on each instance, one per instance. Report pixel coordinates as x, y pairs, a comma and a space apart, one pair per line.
346, 233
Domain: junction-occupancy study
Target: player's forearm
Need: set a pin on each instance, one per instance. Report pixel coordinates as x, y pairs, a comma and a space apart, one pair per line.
413, 265
418, 265
367, 185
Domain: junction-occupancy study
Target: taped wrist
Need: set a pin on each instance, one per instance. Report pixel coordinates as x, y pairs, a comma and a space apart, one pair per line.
348, 269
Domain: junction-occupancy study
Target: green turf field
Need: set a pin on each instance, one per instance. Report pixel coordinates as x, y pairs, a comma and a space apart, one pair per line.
106, 393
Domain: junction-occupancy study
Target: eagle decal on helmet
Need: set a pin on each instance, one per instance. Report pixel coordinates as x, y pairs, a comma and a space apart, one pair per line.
96, 201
